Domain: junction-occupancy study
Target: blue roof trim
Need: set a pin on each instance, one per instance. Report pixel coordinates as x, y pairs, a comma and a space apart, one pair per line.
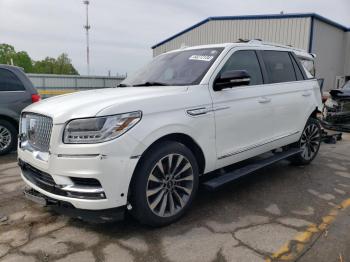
182, 32
247, 17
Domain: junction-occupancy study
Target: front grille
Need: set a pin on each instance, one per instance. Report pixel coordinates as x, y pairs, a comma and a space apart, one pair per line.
36, 129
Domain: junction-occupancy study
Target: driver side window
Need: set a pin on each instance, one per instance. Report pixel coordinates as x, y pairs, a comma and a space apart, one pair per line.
248, 61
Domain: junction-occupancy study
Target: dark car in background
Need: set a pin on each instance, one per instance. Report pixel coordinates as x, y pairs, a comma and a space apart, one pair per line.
336, 111
16, 92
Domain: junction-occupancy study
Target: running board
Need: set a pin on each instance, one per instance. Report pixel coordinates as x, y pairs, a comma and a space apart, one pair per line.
226, 178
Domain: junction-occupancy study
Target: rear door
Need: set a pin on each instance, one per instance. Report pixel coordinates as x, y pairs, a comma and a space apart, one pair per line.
291, 94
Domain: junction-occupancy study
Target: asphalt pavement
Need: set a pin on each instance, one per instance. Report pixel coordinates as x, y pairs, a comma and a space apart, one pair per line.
280, 213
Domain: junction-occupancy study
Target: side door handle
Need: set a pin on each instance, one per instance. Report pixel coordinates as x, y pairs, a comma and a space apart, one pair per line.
198, 111
306, 94
264, 100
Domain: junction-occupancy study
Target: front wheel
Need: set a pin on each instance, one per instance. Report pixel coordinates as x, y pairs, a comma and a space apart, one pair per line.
165, 184
309, 143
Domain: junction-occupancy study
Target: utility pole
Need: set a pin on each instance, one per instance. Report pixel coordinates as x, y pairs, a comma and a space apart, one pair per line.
87, 28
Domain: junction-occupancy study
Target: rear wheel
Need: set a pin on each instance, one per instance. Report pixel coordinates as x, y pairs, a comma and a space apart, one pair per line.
8, 137
165, 184
309, 143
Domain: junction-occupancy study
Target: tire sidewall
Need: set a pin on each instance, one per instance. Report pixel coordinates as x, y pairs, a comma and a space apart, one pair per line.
13, 133
311, 121
138, 199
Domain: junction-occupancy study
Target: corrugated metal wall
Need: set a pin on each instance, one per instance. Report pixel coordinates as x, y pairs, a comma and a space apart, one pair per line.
51, 85
347, 54
287, 31
329, 45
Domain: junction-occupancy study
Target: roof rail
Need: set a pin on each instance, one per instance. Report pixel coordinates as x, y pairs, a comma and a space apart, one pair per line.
259, 41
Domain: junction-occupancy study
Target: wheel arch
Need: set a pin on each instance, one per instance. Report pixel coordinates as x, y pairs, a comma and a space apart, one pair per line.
182, 138
11, 120
314, 113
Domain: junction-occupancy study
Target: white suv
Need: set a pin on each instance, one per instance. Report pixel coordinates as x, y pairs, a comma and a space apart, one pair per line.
190, 112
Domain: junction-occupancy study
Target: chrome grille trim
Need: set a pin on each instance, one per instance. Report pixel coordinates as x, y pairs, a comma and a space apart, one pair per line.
36, 130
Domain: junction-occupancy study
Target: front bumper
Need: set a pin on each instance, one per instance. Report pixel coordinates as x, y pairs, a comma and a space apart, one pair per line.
84, 189
108, 163
66, 208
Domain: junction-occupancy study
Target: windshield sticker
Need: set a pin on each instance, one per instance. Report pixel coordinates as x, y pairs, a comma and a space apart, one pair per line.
206, 58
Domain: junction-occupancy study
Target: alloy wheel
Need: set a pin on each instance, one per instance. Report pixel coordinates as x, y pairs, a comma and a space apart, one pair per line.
169, 185
310, 141
5, 138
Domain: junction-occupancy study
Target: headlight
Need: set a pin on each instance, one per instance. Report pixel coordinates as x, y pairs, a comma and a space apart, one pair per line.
99, 129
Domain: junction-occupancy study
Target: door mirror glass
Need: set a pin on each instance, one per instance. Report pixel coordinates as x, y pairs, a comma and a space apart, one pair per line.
232, 78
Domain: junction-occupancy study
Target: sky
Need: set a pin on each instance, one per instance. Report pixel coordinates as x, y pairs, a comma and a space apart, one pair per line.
122, 32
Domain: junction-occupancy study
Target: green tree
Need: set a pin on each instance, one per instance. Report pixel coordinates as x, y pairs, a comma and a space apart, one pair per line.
22, 59
45, 66
7, 52
61, 66
64, 65
49, 65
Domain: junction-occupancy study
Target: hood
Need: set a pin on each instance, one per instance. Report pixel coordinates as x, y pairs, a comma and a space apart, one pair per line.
90, 103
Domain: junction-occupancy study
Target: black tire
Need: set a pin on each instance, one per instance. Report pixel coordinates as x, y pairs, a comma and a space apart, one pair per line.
174, 182
310, 141
8, 137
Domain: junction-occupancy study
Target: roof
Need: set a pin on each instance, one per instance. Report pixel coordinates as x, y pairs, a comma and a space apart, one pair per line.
248, 17
252, 43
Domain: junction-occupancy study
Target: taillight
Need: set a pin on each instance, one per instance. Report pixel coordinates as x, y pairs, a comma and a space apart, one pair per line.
36, 98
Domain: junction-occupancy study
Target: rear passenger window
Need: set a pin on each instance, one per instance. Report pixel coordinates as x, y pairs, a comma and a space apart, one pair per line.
9, 81
279, 66
245, 60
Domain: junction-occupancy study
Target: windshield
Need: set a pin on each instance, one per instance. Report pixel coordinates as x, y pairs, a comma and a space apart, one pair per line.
186, 67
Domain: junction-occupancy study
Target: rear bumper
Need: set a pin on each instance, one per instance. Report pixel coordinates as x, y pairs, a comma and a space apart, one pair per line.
66, 208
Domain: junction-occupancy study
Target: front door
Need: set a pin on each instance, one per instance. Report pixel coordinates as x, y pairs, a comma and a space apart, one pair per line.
244, 114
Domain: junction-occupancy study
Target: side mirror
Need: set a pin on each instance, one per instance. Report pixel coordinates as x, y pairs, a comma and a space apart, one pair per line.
231, 79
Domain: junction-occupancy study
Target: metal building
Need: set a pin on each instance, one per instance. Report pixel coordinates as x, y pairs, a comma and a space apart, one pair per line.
330, 41
51, 85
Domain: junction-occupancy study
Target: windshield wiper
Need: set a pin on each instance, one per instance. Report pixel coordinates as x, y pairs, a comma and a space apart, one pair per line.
152, 84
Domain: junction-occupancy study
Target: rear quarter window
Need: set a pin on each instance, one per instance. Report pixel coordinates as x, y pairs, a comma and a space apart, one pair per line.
279, 66
9, 81
309, 66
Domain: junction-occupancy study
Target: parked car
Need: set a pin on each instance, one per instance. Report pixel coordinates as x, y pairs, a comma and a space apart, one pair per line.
190, 112
336, 111
16, 92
